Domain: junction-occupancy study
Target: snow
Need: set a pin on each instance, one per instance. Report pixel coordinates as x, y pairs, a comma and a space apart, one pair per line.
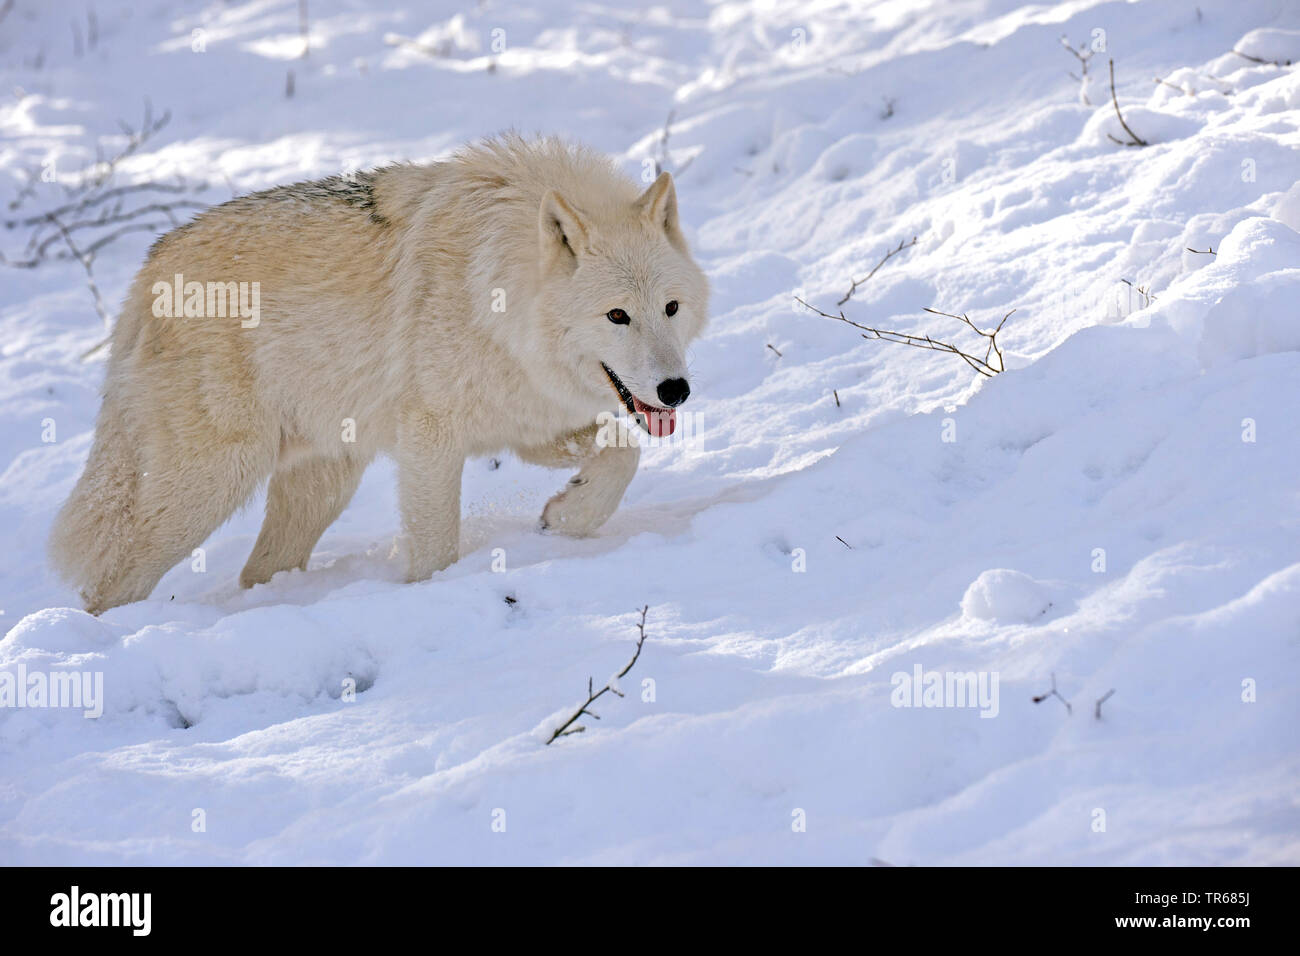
1118, 509
1005, 595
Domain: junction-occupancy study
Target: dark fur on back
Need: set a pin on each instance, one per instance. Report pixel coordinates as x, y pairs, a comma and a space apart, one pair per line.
355, 189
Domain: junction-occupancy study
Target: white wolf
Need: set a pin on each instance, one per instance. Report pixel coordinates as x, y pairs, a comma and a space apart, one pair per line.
502, 299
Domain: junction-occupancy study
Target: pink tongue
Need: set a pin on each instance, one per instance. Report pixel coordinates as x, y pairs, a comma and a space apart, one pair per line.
660, 422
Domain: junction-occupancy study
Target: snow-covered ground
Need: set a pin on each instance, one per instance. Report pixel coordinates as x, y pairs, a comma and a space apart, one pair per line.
1118, 510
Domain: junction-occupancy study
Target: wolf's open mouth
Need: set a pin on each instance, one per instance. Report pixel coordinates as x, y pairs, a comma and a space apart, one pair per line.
658, 422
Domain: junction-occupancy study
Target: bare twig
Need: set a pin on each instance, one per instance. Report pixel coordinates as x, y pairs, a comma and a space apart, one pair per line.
29, 188
94, 215
1255, 59
843, 542
774, 349
983, 366
837, 397
1173, 86
1136, 139
661, 161
1083, 68
303, 28
87, 261
892, 252
103, 196
1101, 700
1144, 291
991, 336
1053, 693
571, 726
106, 220
94, 349
1226, 87
102, 170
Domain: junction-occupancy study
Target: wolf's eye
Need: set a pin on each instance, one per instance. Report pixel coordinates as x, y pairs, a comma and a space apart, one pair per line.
618, 317
671, 307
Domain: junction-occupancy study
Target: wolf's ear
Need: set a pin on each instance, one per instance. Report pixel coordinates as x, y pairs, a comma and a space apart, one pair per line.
562, 230
658, 205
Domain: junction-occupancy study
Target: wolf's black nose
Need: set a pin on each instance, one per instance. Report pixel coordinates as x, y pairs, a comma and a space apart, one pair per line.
674, 391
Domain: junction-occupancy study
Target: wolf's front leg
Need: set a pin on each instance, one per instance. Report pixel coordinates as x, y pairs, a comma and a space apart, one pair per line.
429, 466
594, 492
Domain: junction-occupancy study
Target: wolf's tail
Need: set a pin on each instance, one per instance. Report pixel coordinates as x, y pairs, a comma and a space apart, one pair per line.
93, 532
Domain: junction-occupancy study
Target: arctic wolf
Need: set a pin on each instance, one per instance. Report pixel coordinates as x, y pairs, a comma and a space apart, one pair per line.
502, 299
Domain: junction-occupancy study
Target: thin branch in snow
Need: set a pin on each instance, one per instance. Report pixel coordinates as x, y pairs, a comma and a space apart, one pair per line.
29, 188
87, 262
95, 213
1136, 140
1255, 59
304, 29
1173, 86
1226, 87
1101, 700
993, 347
661, 161
983, 366
104, 196
571, 726
110, 218
1144, 291
103, 169
1083, 67
135, 138
1053, 693
892, 252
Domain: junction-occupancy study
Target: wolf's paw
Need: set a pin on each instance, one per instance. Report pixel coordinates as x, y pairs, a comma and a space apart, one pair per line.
581, 508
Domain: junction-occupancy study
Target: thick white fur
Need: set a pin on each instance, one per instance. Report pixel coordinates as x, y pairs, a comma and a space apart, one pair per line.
376, 307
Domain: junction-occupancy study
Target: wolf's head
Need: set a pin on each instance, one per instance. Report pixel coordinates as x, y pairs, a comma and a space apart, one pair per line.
625, 297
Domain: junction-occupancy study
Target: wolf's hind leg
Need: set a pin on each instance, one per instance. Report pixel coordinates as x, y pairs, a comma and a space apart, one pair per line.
181, 500
303, 499
593, 494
